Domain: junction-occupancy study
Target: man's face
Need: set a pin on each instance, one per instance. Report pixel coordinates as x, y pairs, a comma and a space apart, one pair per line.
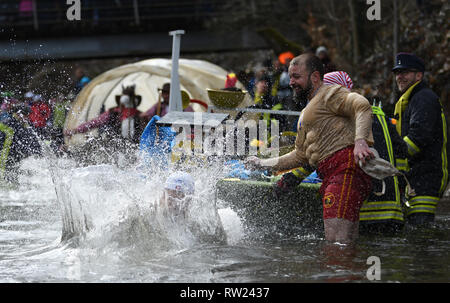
300, 81
127, 101
176, 202
405, 78
165, 94
79, 73
322, 55
262, 87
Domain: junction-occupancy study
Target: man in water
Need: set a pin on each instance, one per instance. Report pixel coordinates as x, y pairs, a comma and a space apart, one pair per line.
176, 203
334, 135
179, 190
173, 219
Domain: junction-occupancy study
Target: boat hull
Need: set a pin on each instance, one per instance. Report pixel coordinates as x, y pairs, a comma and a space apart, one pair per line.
261, 210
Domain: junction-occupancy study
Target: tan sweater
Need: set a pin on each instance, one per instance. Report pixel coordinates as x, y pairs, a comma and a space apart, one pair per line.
334, 119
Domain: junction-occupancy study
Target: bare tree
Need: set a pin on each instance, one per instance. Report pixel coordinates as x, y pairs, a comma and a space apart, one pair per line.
355, 40
394, 42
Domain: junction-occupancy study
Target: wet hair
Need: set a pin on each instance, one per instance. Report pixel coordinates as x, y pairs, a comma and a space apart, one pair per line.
311, 62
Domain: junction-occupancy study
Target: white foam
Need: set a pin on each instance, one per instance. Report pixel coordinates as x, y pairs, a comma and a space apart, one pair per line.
232, 225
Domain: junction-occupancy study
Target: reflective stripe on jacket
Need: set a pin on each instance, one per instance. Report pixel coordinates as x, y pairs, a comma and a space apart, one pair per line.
7, 142
388, 206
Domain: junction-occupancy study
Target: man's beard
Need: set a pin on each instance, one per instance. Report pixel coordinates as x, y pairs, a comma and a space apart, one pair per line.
405, 86
300, 102
301, 93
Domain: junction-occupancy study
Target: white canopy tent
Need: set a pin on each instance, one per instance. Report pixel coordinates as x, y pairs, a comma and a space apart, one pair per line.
148, 75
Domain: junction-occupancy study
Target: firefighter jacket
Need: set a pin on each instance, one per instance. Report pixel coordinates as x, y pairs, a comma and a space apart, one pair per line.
422, 126
389, 145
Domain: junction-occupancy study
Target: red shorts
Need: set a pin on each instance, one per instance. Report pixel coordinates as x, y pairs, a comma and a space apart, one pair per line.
344, 186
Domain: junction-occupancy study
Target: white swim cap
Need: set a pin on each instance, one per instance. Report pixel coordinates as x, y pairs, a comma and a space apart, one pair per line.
181, 181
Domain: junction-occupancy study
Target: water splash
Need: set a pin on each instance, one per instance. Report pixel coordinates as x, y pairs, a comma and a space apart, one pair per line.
104, 206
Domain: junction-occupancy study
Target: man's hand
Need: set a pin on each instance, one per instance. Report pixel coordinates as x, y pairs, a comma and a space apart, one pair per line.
362, 151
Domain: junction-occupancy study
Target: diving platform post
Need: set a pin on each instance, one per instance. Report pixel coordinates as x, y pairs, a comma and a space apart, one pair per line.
175, 117
175, 91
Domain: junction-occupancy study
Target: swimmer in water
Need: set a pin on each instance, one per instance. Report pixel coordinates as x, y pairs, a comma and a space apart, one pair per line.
176, 202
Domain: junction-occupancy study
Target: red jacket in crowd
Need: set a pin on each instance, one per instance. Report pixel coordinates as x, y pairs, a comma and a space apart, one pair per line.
40, 113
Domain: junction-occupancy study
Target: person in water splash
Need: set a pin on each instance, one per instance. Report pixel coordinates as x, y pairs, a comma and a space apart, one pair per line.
179, 190
176, 203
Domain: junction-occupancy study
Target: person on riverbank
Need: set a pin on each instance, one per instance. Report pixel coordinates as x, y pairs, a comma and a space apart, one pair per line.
120, 123
265, 100
81, 80
322, 54
60, 106
334, 134
283, 89
161, 108
17, 138
39, 116
422, 125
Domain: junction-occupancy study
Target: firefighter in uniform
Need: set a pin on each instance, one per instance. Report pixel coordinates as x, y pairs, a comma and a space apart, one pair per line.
422, 126
384, 214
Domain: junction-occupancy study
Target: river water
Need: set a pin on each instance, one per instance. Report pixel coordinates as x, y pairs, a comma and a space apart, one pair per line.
67, 224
